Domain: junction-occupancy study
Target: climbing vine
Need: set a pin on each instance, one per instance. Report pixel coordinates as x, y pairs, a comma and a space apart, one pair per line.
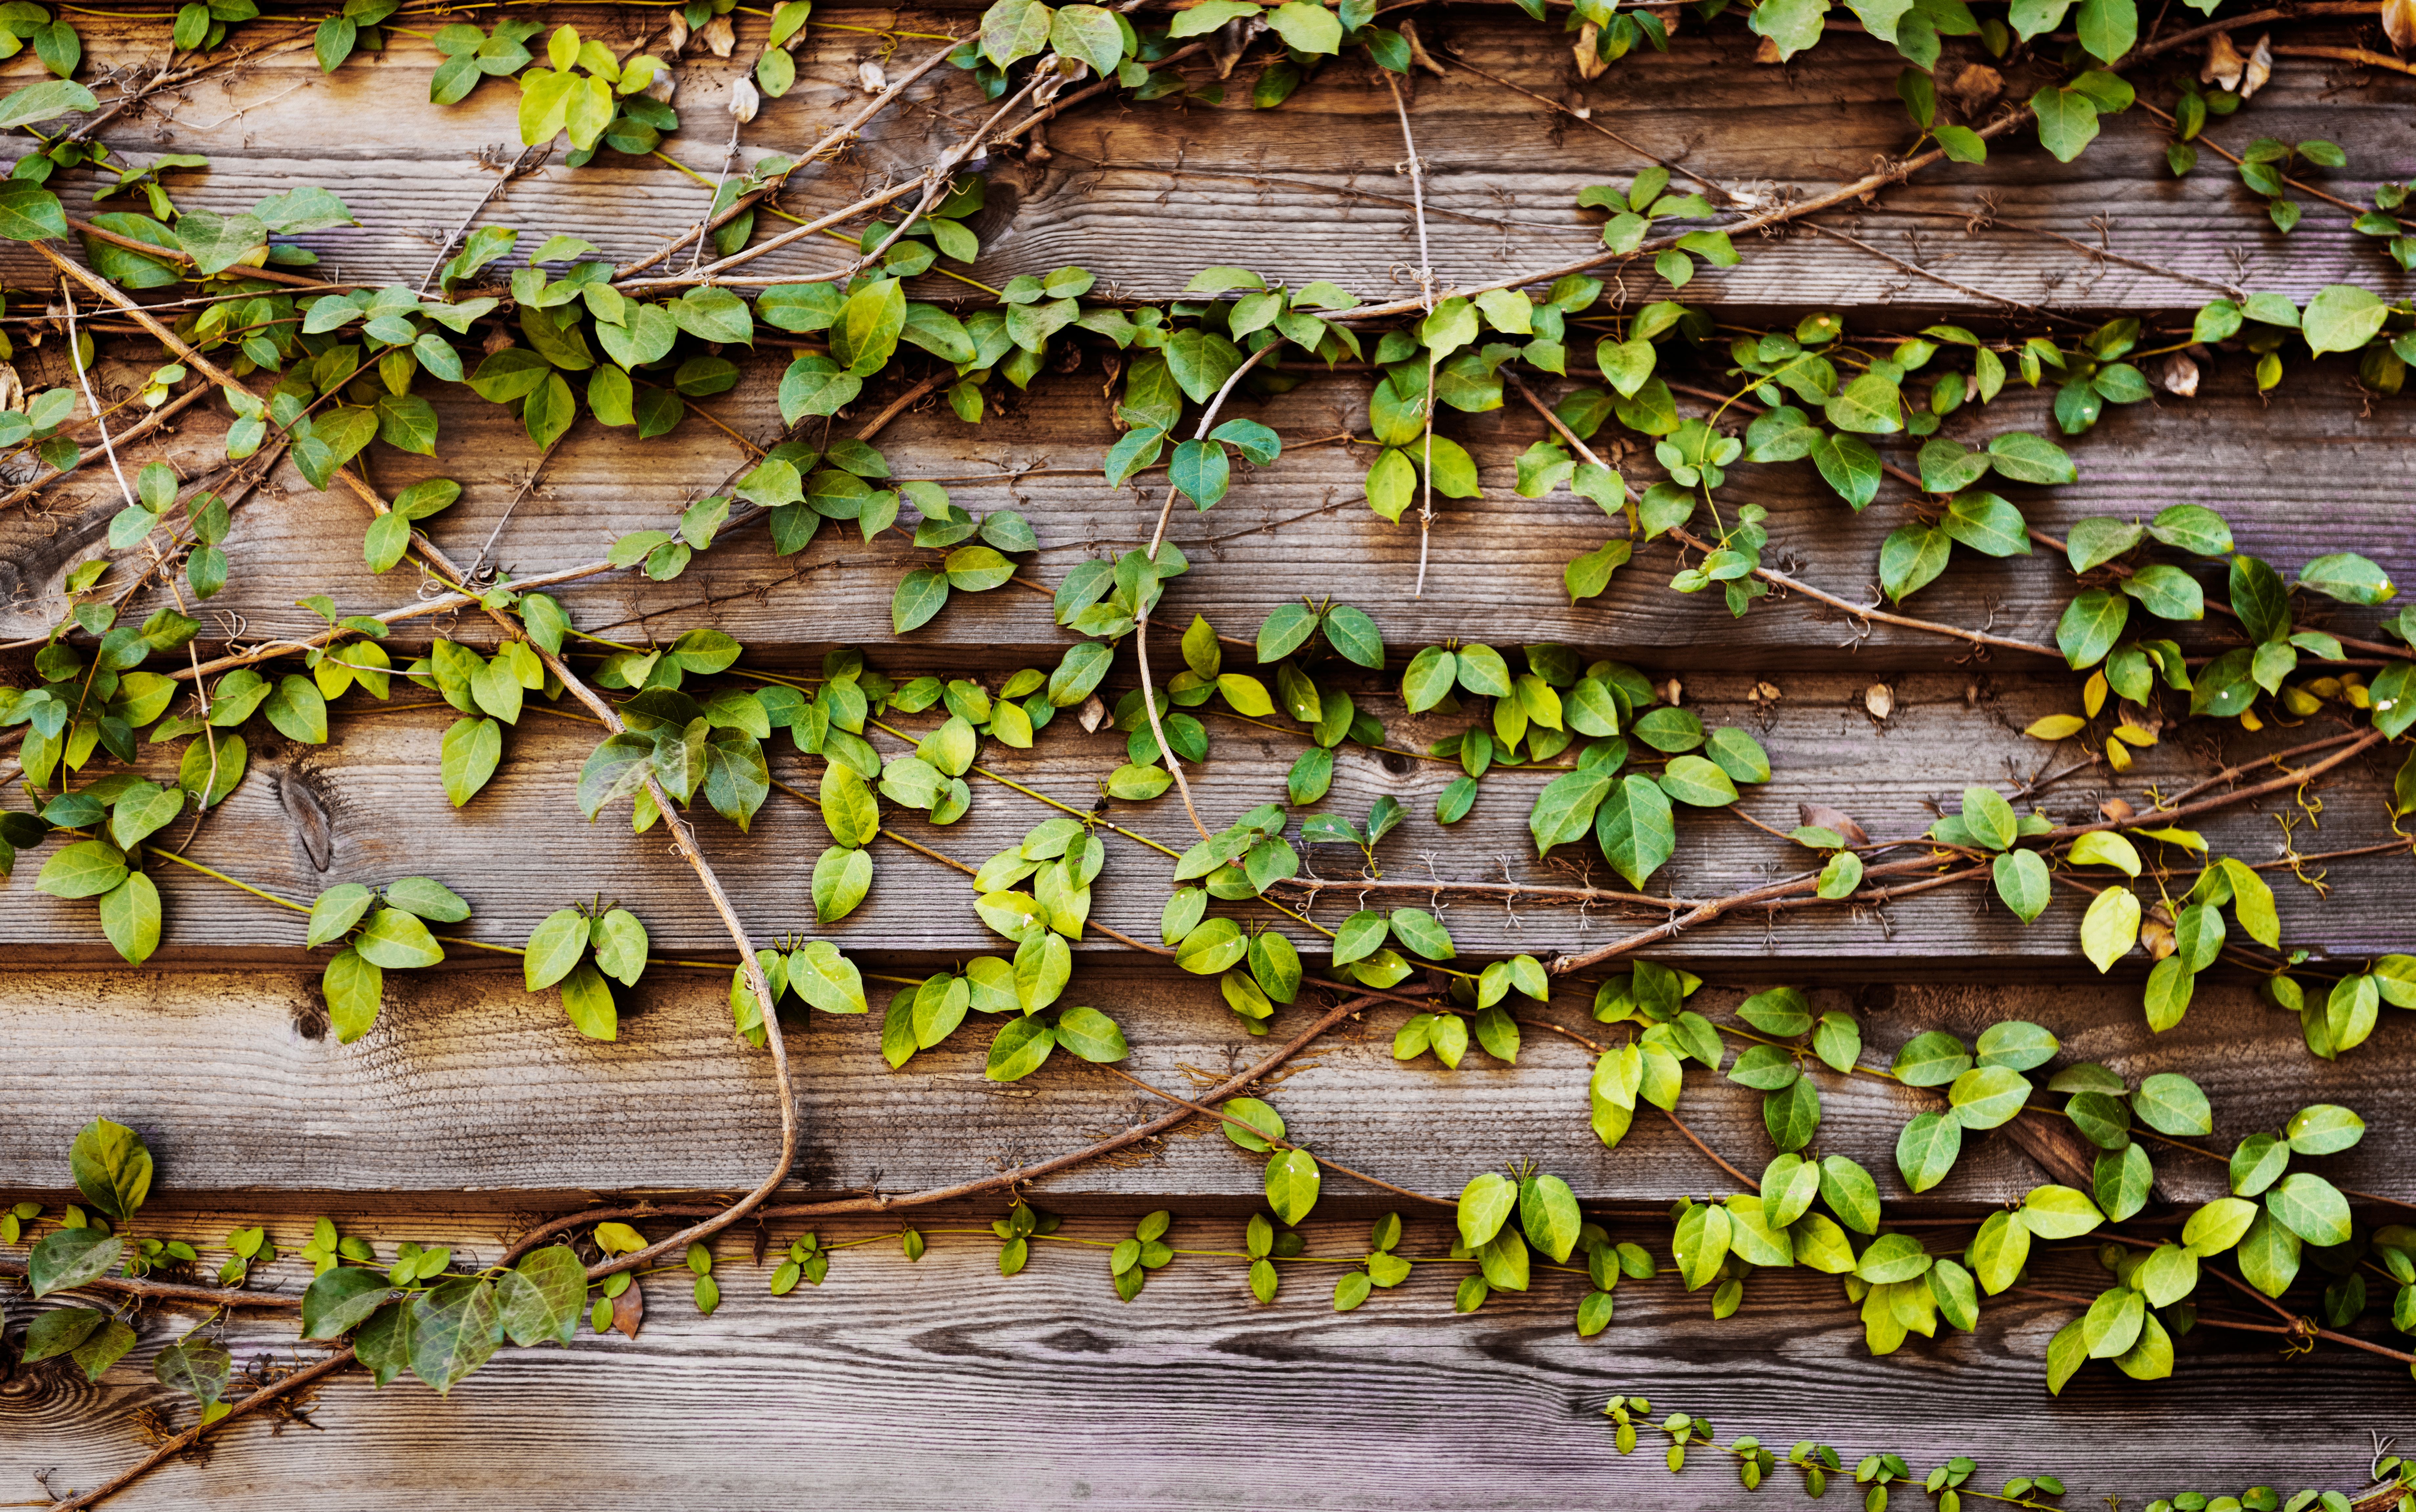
1642, 443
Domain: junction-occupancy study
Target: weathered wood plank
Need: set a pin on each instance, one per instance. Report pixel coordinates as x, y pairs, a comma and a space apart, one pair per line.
369, 807
469, 1086
887, 1381
1144, 196
2300, 474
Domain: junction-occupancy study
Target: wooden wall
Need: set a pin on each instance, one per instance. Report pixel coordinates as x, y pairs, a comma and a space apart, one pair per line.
471, 1110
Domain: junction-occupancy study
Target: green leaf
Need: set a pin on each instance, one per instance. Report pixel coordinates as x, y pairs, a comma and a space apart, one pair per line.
467, 757
2216, 1226
1927, 1148
129, 916
2067, 121
1700, 1245
2310, 1207
29, 212
1987, 1097
1998, 1251
1635, 829
1484, 1206
397, 941
1548, 1216
2090, 625
1021, 1046
2323, 1128
68, 1259
353, 990
85, 870
826, 979
1911, 557
2022, 883
2055, 1212
339, 1300
1693, 780
1851, 1193
2269, 1255
111, 1168
1891, 1258
2342, 317
1870, 405
2172, 1104
620, 943
455, 1328
542, 1298
1987, 524
336, 911
44, 101
1090, 1034
2348, 577
1292, 1184
1930, 1059
2111, 927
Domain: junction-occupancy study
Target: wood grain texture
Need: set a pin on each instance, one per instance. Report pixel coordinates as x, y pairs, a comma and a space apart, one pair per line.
2298, 475
1146, 195
469, 1086
368, 807
938, 1385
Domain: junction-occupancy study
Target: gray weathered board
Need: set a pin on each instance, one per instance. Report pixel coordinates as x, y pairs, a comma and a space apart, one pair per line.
940, 1385
471, 1107
369, 807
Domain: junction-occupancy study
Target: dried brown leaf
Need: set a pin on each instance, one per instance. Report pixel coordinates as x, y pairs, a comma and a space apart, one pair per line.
1590, 63
2399, 22
2260, 67
1820, 816
2223, 63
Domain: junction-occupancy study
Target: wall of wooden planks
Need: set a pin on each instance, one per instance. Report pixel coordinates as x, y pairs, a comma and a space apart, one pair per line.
471, 1110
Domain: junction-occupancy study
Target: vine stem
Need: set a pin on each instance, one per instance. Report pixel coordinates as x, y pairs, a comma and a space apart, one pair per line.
1276, 1144
1710, 1154
683, 837
1002, 1181
929, 182
1426, 293
1781, 579
1873, 182
150, 1291
1140, 621
136, 431
308, 1375
838, 136
449, 602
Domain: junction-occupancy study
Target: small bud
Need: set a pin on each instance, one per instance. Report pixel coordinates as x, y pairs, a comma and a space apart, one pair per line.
744, 100
661, 86
2180, 375
869, 74
1093, 714
1880, 700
